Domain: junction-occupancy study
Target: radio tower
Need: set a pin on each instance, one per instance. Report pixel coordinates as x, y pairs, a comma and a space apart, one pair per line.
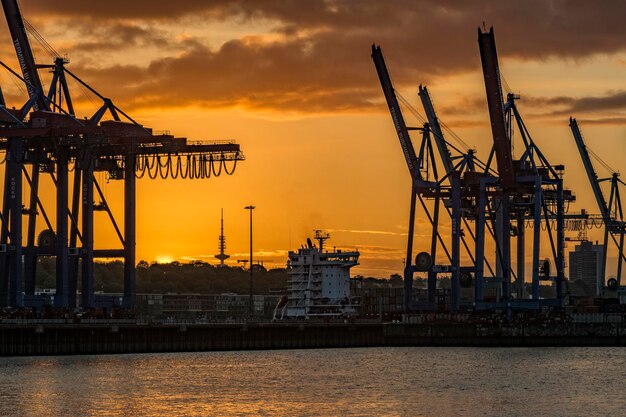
222, 244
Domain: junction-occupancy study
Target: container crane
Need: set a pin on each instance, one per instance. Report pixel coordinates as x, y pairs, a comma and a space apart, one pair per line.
531, 188
428, 184
522, 193
46, 135
411, 160
611, 212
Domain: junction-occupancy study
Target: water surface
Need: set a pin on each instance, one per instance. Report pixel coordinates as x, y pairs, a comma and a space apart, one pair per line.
331, 382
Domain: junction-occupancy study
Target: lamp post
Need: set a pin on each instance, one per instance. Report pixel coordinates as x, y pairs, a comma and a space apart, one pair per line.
251, 301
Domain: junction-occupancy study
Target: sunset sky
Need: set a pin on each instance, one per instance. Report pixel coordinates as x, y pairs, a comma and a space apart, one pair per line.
293, 82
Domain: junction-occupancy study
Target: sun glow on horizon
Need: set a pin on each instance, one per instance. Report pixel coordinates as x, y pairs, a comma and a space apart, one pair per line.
164, 259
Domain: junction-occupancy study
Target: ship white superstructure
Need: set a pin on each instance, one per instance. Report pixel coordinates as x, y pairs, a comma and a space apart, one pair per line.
320, 281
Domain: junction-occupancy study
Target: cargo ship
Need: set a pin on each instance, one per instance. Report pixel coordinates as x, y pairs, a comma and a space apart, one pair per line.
319, 282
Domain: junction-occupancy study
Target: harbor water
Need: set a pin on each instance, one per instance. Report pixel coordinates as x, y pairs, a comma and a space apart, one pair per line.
321, 382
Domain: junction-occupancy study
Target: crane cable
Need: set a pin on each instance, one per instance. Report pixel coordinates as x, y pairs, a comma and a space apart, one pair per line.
195, 166
506, 84
17, 82
453, 134
424, 120
600, 160
54, 54
40, 39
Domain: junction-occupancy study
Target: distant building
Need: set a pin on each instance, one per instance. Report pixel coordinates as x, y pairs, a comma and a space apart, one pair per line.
585, 264
218, 307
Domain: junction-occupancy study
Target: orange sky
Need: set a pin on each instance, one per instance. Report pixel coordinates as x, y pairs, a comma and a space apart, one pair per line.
293, 83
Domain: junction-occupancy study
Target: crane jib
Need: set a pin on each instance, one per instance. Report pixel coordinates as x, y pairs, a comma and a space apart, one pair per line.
396, 112
493, 89
24, 68
403, 140
24, 53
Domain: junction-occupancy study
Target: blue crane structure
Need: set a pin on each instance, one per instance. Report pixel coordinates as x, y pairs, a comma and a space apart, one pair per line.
490, 204
428, 184
413, 163
611, 211
46, 137
537, 194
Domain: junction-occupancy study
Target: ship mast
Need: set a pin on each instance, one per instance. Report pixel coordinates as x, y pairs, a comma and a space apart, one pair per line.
321, 237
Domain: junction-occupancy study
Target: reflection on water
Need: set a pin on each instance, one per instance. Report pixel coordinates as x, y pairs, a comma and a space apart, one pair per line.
373, 381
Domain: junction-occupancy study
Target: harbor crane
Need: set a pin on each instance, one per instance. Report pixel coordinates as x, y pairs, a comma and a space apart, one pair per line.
611, 211
490, 204
428, 184
45, 137
412, 163
531, 188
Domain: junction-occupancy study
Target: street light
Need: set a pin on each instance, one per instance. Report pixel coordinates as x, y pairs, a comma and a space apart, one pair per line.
251, 305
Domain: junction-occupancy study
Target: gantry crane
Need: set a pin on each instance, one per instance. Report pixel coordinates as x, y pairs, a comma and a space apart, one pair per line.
429, 184
411, 160
531, 187
46, 136
611, 212
502, 203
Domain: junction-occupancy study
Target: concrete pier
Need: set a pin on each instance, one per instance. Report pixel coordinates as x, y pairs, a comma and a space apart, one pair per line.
40, 338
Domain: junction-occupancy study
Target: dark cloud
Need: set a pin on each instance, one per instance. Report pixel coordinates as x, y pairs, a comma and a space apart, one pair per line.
118, 36
619, 121
571, 28
123, 9
321, 60
240, 73
609, 108
464, 106
611, 101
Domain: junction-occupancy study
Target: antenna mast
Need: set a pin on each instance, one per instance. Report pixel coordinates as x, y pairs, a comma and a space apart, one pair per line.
222, 243
321, 237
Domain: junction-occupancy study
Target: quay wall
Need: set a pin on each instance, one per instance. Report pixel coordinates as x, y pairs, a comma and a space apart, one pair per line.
27, 339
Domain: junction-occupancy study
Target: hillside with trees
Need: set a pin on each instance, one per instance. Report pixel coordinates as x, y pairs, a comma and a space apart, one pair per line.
175, 277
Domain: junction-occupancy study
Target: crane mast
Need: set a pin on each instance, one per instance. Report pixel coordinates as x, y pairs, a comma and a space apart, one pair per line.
435, 127
493, 87
396, 113
24, 53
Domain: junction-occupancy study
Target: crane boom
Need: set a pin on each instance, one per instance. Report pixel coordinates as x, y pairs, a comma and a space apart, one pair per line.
396, 113
591, 173
493, 87
435, 127
24, 53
